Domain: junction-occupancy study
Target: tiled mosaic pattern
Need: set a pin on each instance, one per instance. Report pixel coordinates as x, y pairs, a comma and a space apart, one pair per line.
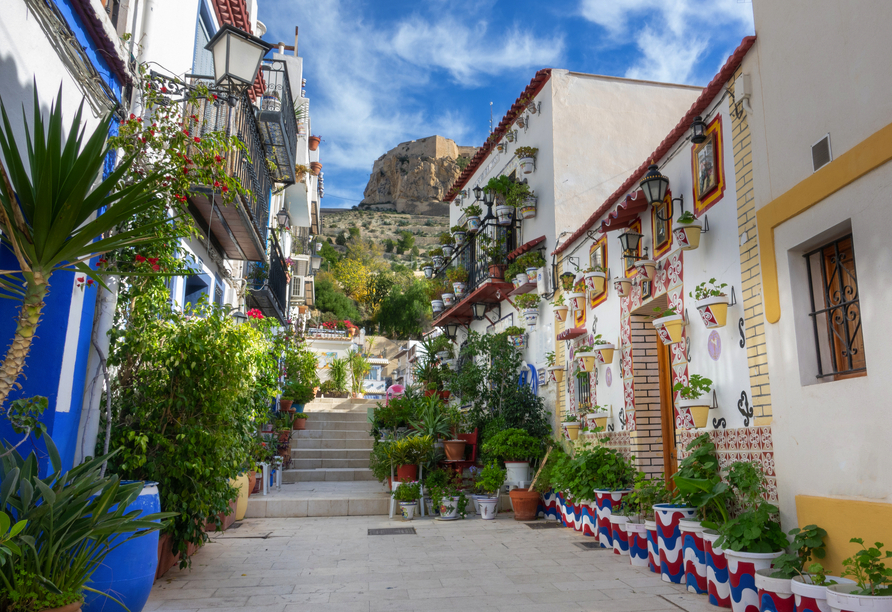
620, 441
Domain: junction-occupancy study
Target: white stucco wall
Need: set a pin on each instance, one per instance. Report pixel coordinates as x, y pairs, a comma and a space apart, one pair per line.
165, 33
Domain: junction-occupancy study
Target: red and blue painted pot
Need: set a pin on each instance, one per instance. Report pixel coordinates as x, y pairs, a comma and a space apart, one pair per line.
618, 534
742, 568
589, 518
653, 549
694, 554
637, 533
606, 501
718, 583
669, 540
573, 515
548, 508
811, 597
775, 594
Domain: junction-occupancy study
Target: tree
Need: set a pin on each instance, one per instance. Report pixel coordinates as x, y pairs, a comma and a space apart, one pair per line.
405, 311
407, 241
354, 231
415, 251
329, 254
388, 245
331, 299
341, 240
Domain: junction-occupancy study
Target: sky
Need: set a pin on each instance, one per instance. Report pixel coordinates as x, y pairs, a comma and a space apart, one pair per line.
382, 72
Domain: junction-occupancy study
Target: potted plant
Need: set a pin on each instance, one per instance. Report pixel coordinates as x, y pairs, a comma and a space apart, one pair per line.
315, 168
472, 215
449, 499
595, 279
447, 243
458, 276
532, 263
687, 231
515, 448
528, 304
586, 357
641, 527
428, 269
517, 337
623, 286
528, 206
571, 425
494, 249
314, 142
560, 308
437, 257
521, 199
556, 371
669, 325
527, 157
459, 235
300, 421
567, 279
516, 273
873, 588
436, 480
490, 482
501, 186
577, 296
603, 350
435, 291
455, 447
691, 395
283, 425
711, 302
300, 171
407, 494
598, 414
646, 267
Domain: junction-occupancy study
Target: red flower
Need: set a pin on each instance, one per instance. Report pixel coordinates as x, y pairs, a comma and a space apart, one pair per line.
186, 132
255, 313
80, 279
216, 183
132, 116
164, 90
153, 260
140, 259
197, 139
185, 170
139, 119
214, 96
225, 188
218, 159
156, 268
90, 282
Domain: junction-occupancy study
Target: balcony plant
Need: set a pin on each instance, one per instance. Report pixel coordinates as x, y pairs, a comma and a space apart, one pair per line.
494, 249
687, 231
527, 157
407, 494
571, 425
603, 350
472, 214
459, 235
873, 588
712, 303
447, 243
458, 276
437, 257
531, 263
435, 289
586, 357
560, 308
556, 371
692, 398
490, 482
300, 172
669, 325
501, 186
528, 305
517, 336
595, 279
521, 198
516, 274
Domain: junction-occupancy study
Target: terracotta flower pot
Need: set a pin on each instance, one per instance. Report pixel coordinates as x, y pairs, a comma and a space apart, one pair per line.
407, 473
496, 271
253, 481
299, 424
72, 607
316, 168
314, 142
560, 313
285, 405
454, 449
526, 504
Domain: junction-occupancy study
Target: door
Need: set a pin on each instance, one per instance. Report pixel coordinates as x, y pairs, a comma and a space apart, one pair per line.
667, 414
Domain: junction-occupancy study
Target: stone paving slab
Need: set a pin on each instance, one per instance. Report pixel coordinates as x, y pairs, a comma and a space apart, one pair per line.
331, 564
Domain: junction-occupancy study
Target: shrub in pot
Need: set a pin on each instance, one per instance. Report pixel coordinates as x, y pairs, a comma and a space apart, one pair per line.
407, 494
528, 305
450, 500
489, 483
873, 588
527, 157
642, 527
560, 308
687, 231
712, 303
611, 482
458, 276
595, 279
501, 186
473, 213
517, 337
459, 235
775, 584
455, 447
571, 425
531, 263
515, 448
694, 397
586, 357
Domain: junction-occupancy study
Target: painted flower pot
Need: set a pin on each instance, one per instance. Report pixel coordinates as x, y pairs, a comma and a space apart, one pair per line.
473, 224
560, 313
521, 279
487, 506
646, 268
454, 449
577, 300
407, 509
694, 554
670, 329
653, 548
699, 409
596, 281
504, 214
572, 428
618, 534
742, 569
841, 599
532, 274
604, 352
713, 311
775, 594
459, 237
528, 208
437, 306
448, 299
809, 597
438, 261
669, 540
687, 235
428, 270
637, 538
548, 506
448, 250
600, 419
518, 472
449, 508
718, 584
531, 316
557, 373
606, 501
528, 164
518, 341
623, 287
587, 361
459, 287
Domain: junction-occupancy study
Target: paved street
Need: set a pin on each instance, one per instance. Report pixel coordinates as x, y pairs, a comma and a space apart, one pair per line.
326, 564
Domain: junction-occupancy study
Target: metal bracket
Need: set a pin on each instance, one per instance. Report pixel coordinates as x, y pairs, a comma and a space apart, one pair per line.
687, 349
705, 224
680, 200
715, 402
733, 301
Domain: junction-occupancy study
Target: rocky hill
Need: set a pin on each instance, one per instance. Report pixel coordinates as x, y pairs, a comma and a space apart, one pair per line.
415, 176
381, 226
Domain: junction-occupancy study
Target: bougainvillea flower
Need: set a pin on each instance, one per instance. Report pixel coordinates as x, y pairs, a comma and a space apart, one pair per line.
140, 259
197, 139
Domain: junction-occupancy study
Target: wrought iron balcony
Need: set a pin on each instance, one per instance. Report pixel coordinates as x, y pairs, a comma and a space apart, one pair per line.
277, 122
268, 285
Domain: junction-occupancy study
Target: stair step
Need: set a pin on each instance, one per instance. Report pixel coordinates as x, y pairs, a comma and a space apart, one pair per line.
332, 434
329, 453
365, 443
326, 475
353, 417
314, 463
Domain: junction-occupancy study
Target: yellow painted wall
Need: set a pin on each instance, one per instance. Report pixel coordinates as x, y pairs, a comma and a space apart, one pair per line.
845, 519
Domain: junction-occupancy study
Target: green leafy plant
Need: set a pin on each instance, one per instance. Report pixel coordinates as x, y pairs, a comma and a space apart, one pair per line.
559, 300
527, 300
593, 269
646, 493
868, 569
284, 421
407, 492
446, 239
514, 330
807, 545
359, 367
298, 392
513, 445
549, 358
494, 248
697, 387
337, 374
533, 259
491, 479
31, 595
571, 418
517, 194
708, 289
659, 313
473, 210
522, 152
567, 279
686, 218
8, 537
431, 419
699, 483
755, 529
435, 252
513, 269
500, 185
457, 274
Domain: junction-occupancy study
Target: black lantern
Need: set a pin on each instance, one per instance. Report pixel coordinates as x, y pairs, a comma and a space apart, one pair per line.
451, 330
237, 56
478, 192
479, 310
282, 218
238, 316
629, 241
489, 197
654, 185
698, 130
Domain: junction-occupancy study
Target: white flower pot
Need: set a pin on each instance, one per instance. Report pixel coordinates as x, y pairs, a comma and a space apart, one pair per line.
448, 299
713, 311
428, 271
532, 272
459, 287
528, 164
408, 510
623, 287
438, 261
840, 598
447, 250
449, 508
808, 596
521, 279
531, 316
560, 313
687, 235
504, 213
460, 238
519, 341
518, 472
778, 590
528, 208
437, 305
699, 409
646, 267
487, 507
473, 224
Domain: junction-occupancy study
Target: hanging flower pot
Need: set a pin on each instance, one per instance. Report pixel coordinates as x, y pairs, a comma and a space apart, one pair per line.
595, 281
314, 142
646, 267
316, 168
438, 261
713, 311
428, 270
448, 299
528, 208
473, 224
528, 164
577, 300
437, 306
504, 213
518, 341
447, 250
531, 316
600, 418
460, 238
670, 329
520, 279
459, 288
587, 361
572, 428
604, 352
687, 235
699, 409
623, 287
521, 122
557, 373
560, 313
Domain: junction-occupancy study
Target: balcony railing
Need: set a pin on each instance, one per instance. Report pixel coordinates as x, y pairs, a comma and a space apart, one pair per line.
269, 294
322, 333
277, 122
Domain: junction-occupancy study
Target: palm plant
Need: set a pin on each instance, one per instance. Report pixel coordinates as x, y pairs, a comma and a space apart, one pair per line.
337, 373
49, 214
432, 419
359, 367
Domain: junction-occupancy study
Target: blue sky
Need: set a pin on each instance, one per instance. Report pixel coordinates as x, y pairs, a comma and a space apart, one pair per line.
383, 72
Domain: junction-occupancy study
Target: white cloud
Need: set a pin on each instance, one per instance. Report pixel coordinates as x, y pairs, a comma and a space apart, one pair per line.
671, 35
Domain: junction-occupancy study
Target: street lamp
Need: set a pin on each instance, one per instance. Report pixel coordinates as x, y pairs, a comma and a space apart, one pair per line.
316, 262
451, 330
479, 310
237, 56
238, 316
654, 185
629, 241
698, 130
478, 192
282, 218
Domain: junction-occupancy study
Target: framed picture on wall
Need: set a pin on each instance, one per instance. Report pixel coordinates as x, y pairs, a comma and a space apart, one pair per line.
706, 167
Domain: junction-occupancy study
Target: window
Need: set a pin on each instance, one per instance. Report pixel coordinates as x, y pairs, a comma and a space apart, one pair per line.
583, 390
597, 256
836, 310
202, 60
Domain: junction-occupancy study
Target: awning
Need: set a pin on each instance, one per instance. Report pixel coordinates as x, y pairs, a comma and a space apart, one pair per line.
525, 247
625, 213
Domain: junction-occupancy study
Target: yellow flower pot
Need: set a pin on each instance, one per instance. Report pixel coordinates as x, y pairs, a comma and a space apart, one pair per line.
605, 352
646, 267
572, 430
596, 281
587, 361
560, 313
687, 235
623, 287
557, 373
241, 506
670, 329
713, 311
698, 409
601, 421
